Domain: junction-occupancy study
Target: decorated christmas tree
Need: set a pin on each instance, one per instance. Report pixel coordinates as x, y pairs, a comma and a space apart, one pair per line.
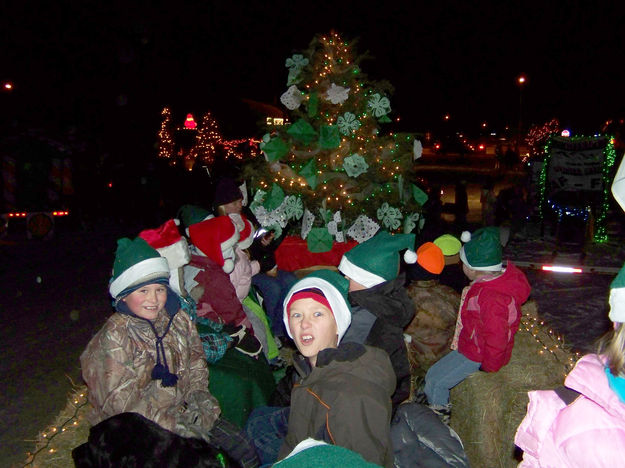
331, 170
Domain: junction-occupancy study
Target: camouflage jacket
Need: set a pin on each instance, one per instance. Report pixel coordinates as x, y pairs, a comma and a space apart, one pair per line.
117, 366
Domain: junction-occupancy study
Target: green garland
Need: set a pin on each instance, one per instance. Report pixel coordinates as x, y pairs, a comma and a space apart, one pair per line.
609, 157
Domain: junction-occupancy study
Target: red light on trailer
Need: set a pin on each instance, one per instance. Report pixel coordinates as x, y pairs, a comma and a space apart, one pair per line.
561, 269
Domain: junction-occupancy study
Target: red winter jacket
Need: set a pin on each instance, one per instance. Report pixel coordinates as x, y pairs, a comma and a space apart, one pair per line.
219, 292
489, 317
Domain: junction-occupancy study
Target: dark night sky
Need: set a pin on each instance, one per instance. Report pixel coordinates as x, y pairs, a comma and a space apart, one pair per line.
110, 69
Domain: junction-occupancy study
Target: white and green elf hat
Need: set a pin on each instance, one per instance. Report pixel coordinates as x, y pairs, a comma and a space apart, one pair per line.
482, 250
377, 260
617, 297
334, 288
136, 263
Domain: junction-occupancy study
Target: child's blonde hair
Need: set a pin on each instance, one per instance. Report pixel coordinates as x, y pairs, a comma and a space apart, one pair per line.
612, 345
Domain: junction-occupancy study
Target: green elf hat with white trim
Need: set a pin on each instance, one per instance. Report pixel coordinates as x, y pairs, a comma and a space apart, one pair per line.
136, 263
376, 260
617, 297
334, 288
193, 214
482, 250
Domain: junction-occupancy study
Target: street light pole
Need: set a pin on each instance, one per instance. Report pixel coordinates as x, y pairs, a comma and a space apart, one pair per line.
521, 82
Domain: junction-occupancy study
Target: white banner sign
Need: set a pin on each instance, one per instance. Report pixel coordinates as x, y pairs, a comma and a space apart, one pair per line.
576, 165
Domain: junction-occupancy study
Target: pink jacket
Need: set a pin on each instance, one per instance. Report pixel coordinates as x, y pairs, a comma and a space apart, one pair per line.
489, 317
241, 276
588, 432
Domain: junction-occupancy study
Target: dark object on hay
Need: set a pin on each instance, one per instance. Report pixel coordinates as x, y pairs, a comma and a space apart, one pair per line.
131, 440
420, 439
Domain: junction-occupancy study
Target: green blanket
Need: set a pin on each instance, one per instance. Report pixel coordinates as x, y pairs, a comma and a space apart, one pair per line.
240, 383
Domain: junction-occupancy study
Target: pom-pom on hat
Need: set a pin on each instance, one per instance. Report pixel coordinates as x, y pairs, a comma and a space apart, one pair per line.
377, 260
214, 238
431, 258
136, 263
617, 297
482, 251
168, 242
245, 228
448, 244
226, 191
334, 288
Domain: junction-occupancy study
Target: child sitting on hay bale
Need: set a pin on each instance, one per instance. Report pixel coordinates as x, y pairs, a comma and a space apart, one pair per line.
583, 423
148, 358
487, 321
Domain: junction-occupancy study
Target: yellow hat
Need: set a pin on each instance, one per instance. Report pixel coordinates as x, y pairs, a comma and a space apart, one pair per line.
449, 244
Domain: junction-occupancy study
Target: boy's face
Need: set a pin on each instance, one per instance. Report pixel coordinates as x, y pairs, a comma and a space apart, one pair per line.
233, 207
313, 328
147, 301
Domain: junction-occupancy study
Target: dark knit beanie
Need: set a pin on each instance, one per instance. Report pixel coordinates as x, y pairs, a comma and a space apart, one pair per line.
226, 191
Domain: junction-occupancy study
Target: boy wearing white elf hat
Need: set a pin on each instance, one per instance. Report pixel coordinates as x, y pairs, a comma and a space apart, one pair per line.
381, 308
148, 357
489, 316
344, 391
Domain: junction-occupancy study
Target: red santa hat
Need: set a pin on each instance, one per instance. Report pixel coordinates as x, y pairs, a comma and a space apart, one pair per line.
168, 242
214, 237
245, 228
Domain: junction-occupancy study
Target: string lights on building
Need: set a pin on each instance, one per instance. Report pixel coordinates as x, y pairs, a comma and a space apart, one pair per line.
208, 142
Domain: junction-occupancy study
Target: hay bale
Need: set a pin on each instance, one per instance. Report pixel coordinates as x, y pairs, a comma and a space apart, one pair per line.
488, 407
70, 428
432, 328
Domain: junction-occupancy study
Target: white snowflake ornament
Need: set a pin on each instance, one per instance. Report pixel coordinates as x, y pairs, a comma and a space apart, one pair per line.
348, 123
292, 98
391, 217
294, 208
364, 228
379, 105
417, 149
410, 222
307, 221
333, 227
355, 165
337, 94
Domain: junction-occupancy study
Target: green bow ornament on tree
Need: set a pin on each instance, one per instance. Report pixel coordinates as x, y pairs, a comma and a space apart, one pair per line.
302, 131
274, 198
319, 240
274, 149
329, 137
309, 172
419, 195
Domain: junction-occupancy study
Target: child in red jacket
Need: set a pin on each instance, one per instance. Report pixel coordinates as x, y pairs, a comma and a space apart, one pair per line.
489, 316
